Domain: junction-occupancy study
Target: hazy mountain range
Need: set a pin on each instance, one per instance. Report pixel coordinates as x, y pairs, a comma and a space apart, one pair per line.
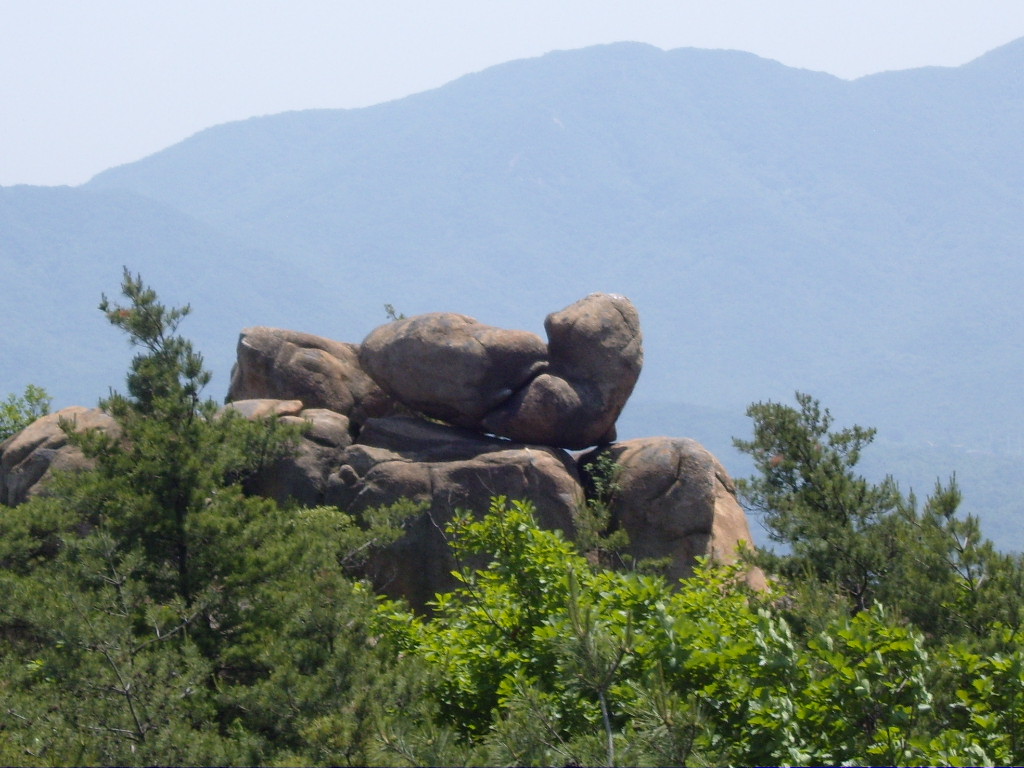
778, 229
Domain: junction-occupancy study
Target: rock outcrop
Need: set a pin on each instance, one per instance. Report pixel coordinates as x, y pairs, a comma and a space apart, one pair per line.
595, 353
513, 406
567, 393
676, 502
30, 457
288, 365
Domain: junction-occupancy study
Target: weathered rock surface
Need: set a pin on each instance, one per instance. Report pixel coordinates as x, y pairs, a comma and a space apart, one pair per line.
673, 497
676, 501
445, 468
288, 365
302, 476
261, 408
595, 353
450, 366
566, 394
30, 457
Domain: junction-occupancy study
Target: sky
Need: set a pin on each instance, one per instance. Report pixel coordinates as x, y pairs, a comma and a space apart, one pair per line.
86, 85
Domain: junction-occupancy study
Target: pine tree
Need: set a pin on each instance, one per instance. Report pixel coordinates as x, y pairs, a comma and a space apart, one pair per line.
841, 529
189, 623
865, 542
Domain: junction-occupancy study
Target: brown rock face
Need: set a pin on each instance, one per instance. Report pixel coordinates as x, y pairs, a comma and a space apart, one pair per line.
598, 338
263, 408
450, 366
29, 457
445, 468
302, 476
566, 394
673, 497
288, 365
595, 353
676, 501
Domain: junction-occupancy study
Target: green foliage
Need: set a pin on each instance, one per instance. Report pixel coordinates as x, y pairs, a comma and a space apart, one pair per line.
191, 624
16, 413
86, 632
489, 638
987, 707
392, 313
868, 543
541, 658
167, 482
595, 535
841, 529
188, 623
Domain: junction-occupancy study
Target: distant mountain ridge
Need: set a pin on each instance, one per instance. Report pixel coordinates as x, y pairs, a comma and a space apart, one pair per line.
778, 229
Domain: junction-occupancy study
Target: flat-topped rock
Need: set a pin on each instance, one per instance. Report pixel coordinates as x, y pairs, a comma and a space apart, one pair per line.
445, 468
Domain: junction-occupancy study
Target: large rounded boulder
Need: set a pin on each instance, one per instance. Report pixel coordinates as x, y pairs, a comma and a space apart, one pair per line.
595, 354
30, 457
676, 502
449, 366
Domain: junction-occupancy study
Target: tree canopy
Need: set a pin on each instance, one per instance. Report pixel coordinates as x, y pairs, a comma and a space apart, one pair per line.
152, 613
156, 614
16, 412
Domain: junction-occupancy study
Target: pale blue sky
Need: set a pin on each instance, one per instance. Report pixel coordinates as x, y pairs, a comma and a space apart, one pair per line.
89, 84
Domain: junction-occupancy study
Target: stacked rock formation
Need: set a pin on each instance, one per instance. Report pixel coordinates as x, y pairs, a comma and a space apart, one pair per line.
448, 412
566, 393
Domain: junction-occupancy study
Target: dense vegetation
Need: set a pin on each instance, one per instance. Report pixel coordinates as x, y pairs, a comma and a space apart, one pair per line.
154, 613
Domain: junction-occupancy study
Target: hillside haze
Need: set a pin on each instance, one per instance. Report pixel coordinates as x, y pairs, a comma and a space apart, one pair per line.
778, 229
